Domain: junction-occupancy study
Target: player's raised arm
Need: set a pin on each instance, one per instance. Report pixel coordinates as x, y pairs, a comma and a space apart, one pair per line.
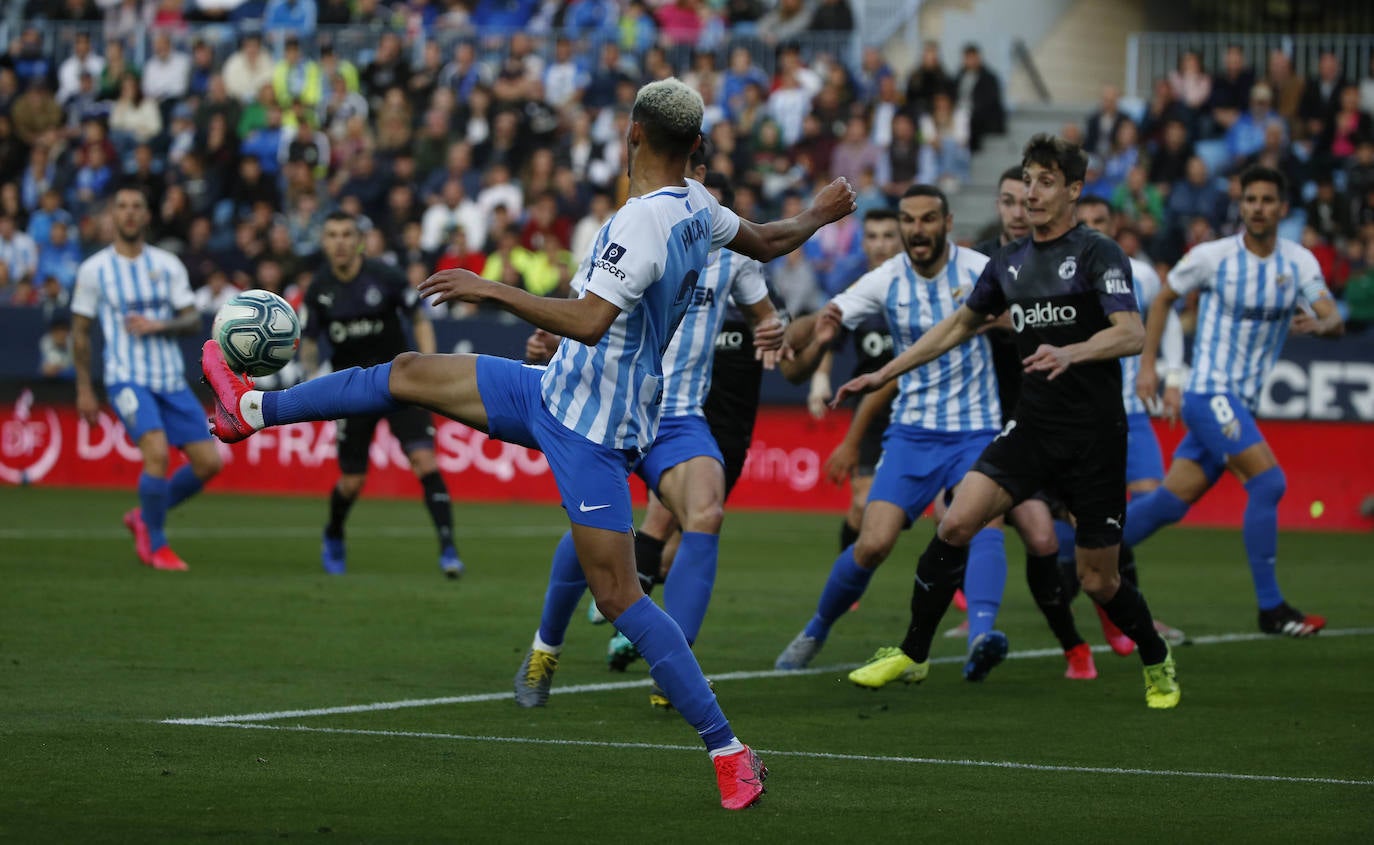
584, 320
1161, 314
809, 337
1324, 321
766, 241
947, 334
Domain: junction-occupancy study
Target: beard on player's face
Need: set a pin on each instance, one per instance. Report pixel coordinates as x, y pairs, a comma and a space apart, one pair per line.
931, 243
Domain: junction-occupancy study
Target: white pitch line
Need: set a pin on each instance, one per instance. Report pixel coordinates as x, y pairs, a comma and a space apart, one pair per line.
277, 533
476, 698
810, 755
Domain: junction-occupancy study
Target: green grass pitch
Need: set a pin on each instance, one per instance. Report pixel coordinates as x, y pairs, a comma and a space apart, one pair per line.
96, 652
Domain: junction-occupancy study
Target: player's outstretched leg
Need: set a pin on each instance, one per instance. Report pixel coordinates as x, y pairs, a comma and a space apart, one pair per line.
1126, 607
1261, 535
984, 581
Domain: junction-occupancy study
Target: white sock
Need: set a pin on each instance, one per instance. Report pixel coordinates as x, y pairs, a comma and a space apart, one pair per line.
540, 645
734, 746
250, 406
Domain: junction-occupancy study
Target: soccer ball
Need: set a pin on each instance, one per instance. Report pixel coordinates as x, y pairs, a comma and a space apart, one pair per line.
258, 332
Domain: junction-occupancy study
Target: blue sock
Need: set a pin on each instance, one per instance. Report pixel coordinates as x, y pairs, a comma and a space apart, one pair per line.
984, 580
348, 393
152, 498
1261, 533
1149, 513
846, 584
184, 484
675, 670
687, 591
1065, 534
566, 586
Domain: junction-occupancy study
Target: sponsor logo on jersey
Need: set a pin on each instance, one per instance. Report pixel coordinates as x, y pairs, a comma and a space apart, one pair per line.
1041, 314
1114, 280
1282, 279
1068, 268
373, 297
340, 331
874, 344
613, 253
1014, 271
1262, 315
702, 296
730, 341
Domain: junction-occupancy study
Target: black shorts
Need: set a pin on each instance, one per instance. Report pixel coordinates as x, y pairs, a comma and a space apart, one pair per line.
732, 407
1086, 470
412, 426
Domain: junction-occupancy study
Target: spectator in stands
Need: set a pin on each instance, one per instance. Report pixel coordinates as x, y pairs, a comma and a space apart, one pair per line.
216, 291
116, 65
198, 255
855, 151
1230, 90
459, 253
167, 74
1321, 99
908, 160
832, 16
248, 69
1246, 134
296, 77
453, 210
55, 347
1102, 124
28, 58
84, 105
1286, 86
12, 152
978, 92
1277, 154
18, 252
794, 279
1169, 161
388, 68
788, 105
1329, 212
1123, 155
49, 211
135, 118
550, 268
340, 105
395, 126
1162, 109
1197, 196
927, 79
169, 15
81, 61
294, 17
59, 258
787, 21
508, 262
93, 181
1347, 127
500, 191
945, 133
265, 143
35, 113
9, 88
217, 100
203, 68
40, 175
1135, 196
1359, 174
584, 232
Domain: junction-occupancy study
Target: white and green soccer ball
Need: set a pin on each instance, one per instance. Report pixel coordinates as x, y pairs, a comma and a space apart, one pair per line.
258, 331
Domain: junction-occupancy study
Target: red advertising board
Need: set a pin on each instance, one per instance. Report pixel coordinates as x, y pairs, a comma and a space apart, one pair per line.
49, 445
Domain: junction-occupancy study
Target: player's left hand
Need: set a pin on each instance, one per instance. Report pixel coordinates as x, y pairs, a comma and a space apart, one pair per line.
1305, 323
856, 386
456, 285
1053, 360
840, 465
1173, 405
835, 200
140, 326
1147, 386
768, 346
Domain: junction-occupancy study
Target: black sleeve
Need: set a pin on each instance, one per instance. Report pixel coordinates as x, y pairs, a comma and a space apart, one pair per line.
987, 296
312, 315
406, 297
1109, 273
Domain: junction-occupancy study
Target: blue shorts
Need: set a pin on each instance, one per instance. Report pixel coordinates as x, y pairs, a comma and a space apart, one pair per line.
679, 439
1219, 425
593, 480
178, 414
918, 463
1143, 458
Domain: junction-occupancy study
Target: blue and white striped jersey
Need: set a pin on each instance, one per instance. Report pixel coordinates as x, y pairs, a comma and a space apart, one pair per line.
958, 390
688, 362
111, 288
647, 260
1247, 304
1146, 283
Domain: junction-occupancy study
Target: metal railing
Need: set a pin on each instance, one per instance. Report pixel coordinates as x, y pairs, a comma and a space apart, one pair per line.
1151, 55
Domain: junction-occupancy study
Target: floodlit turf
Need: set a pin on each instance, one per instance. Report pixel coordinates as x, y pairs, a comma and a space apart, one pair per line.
95, 651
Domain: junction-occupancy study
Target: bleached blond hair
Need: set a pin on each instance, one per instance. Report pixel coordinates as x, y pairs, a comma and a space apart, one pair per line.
670, 112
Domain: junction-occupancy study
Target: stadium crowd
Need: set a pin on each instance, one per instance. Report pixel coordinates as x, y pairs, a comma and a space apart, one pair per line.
488, 135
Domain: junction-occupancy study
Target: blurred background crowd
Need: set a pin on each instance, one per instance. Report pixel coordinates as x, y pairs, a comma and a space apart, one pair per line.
488, 134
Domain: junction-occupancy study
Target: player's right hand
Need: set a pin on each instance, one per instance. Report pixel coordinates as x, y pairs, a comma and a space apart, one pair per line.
856, 386
540, 346
840, 465
1173, 404
835, 200
818, 396
829, 321
1147, 386
87, 406
456, 285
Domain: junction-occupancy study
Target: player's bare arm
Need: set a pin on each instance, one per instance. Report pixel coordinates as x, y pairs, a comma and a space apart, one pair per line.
1147, 380
769, 330
947, 334
845, 456
585, 320
1125, 337
810, 337
425, 343
540, 347
1324, 321
766, 241
86, 403
187, 321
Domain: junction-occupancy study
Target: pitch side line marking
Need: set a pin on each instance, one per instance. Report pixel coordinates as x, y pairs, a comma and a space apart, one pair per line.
282, 532
810, 755
476, 698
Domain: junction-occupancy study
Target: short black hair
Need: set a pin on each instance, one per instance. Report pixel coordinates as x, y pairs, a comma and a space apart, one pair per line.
1094, 199
1257, 173
341, 216
923, 190
1050, 152
715, 180
1013, 173
874, 215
